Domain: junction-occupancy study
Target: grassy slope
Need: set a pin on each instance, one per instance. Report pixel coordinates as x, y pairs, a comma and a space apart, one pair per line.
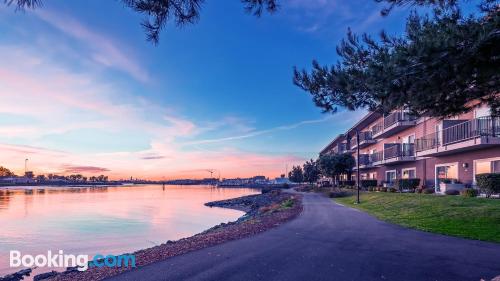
475, 218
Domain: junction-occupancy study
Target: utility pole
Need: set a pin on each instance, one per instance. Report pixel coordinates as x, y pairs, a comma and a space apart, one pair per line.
357, 165
25, 166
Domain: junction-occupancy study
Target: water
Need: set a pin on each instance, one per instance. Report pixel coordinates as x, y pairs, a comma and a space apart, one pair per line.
105, 220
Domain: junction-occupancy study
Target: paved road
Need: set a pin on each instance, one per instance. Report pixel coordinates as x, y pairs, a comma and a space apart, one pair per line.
331, 242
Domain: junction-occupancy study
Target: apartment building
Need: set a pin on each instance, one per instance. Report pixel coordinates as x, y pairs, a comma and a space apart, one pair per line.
398, 145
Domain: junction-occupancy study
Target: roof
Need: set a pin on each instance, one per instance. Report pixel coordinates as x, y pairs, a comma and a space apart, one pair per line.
365, 121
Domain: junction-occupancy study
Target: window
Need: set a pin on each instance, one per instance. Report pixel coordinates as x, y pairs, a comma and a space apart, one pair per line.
409, 173
390, 176
409, 139
372, 176
490, 165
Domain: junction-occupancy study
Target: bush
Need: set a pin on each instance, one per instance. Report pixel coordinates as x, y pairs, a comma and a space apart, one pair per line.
489, 183
469, 192
383, 189
368, 183
287, 204
409, 184
428, 190
452, 192
348, 183
448, 181
371, 188
338, 194
419, 189
392, 189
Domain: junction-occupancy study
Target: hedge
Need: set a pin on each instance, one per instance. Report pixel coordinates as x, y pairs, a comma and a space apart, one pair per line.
368, 183
489, 183
407, 183
349, 183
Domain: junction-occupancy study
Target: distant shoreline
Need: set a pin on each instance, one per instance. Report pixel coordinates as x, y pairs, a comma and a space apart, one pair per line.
82, 184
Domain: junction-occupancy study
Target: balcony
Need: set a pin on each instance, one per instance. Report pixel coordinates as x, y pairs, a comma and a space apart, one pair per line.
377, 158
364, 162
467, 135
365, 139
399, 152
393, 123
340, 148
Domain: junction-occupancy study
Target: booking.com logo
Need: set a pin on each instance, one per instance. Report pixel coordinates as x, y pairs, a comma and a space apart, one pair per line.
59, 259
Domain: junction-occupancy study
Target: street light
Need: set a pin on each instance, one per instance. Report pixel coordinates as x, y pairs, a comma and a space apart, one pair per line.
357, 165
25, 166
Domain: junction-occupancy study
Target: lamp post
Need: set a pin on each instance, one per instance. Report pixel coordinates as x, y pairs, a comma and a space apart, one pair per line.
25, 166
357, 165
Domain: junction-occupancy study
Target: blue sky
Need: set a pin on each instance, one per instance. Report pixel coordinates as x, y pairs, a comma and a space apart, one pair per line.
82, 90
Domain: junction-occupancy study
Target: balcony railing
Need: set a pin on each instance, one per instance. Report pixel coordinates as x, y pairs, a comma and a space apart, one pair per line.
397, 116
399, 150
378, 128
364, 159
429, 141
342, 147
484, 126
377, 157
478, 127
363, 136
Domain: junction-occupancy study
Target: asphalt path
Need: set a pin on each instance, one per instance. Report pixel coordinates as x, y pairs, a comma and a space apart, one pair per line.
331, 242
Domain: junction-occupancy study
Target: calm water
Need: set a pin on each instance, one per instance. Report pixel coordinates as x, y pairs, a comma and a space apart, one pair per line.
105, 220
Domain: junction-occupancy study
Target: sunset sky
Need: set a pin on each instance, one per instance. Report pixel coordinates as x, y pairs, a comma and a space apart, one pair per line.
82, 91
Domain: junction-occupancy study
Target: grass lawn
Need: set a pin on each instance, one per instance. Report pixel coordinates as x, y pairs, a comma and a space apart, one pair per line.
474, 218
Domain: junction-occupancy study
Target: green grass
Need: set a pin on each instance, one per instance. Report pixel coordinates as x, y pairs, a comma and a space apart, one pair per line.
287, 204
474, 218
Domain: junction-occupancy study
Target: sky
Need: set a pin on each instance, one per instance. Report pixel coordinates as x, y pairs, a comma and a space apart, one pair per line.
82, 91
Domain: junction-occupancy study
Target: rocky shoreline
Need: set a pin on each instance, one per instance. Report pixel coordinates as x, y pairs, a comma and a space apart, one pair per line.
263, 212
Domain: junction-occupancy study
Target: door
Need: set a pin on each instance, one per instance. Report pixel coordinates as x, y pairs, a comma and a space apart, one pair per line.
390, 176
446, 171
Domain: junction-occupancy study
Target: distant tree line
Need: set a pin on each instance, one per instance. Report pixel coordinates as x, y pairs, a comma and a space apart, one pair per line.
5, 173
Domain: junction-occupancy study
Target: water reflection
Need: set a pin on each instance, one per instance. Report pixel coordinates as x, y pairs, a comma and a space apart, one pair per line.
90, 220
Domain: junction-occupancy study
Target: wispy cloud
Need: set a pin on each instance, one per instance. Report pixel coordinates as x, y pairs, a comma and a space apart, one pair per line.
261, 132
103, 49
83, 169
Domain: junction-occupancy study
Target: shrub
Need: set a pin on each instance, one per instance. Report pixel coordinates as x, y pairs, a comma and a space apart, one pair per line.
368, 183
338, 194
392, 189
383, 189
489, 183
419, 189
469, 192
371, 188
286, 185
452, 192
287, 204
410, 184
348, 183
428, 190
448, 181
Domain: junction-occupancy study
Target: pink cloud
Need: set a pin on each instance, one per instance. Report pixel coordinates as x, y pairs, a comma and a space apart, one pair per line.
83, 169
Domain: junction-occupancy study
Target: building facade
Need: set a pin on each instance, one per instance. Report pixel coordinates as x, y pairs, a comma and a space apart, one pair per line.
398, 145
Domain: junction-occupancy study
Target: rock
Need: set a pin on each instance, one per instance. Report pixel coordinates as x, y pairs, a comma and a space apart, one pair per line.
45, 275
17, 276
